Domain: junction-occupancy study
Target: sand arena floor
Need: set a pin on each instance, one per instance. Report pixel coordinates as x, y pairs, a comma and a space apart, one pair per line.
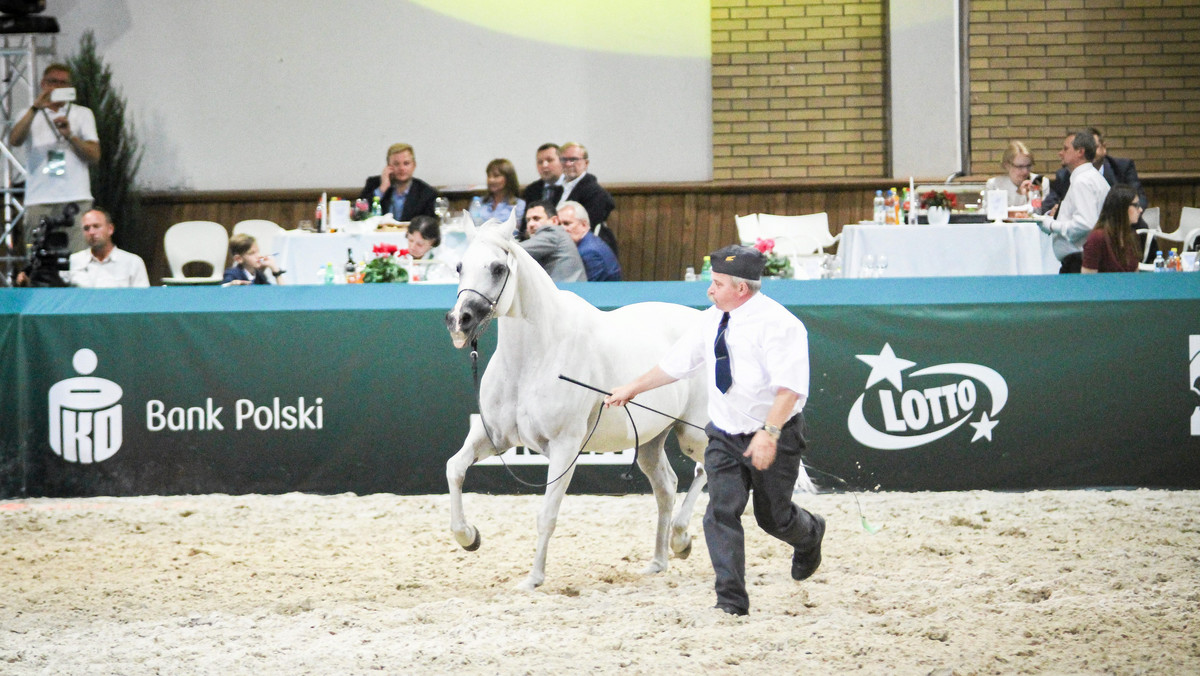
954, 583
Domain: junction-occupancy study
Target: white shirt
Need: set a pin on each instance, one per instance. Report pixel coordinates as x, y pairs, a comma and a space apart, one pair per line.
1078, 212
120, 269
75, 183
568, 186
768, 349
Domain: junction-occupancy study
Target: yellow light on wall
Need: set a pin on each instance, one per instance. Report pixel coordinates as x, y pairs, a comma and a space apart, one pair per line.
673, 28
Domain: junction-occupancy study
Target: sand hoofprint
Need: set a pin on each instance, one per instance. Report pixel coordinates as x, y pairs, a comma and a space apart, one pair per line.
954, 583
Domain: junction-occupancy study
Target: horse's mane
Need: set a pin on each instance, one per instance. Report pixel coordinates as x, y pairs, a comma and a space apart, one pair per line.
529, 271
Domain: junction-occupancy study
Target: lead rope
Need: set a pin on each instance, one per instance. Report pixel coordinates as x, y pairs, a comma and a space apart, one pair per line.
627, 475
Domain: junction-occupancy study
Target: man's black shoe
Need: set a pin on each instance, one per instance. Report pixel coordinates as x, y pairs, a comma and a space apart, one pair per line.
806, 563
731, 609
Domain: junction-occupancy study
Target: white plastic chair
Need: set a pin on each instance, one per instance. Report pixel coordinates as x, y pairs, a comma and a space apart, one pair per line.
264, 232
195, 241
797, 235
747, 227
1189, 224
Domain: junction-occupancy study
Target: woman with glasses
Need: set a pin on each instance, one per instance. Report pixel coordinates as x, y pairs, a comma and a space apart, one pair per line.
1018, 165
1112, 246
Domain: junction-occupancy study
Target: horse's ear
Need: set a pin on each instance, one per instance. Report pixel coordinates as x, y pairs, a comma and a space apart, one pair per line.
505, 229
470, 228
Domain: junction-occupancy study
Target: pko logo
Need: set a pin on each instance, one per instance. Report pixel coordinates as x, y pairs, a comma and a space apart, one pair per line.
85, 418
940, 399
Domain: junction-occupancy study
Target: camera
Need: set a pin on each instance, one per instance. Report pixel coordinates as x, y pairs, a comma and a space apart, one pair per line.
50, 252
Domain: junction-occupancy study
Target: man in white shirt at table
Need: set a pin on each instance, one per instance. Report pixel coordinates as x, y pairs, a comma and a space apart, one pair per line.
103, 265
1070, 222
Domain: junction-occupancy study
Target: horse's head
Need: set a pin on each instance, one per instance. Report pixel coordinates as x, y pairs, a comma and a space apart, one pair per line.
485, 286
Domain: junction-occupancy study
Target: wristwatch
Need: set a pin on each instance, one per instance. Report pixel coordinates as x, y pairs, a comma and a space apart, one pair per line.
772, 431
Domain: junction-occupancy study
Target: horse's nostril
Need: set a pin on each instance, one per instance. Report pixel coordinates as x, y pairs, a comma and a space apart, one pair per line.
465, 320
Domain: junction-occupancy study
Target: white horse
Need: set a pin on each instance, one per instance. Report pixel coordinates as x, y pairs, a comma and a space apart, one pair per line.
546, 332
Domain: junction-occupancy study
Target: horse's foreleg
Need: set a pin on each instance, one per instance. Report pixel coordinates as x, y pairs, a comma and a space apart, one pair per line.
474, 448
653, 462
562, 468
681, 539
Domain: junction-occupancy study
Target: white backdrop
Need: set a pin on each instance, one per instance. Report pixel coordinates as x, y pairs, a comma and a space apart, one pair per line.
237, 94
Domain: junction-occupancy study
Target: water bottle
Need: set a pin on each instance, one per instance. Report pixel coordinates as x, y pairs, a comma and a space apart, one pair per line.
1160, 265
1173, 262
476, 209
376, 207
329, 273
689, 275
879, 206
706, 270
891, 211
351, 268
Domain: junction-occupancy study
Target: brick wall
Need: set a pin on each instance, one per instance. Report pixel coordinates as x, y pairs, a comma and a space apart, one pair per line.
798, 85
1128, 67
798, 89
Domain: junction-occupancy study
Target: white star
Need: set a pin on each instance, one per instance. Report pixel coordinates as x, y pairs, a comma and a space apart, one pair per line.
983, 428
886, 366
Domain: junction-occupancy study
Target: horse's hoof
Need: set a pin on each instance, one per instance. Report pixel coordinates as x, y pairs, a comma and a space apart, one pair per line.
685, 552
476, 542
528, 585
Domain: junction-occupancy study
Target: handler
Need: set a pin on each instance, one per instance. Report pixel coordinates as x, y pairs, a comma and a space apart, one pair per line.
758, 368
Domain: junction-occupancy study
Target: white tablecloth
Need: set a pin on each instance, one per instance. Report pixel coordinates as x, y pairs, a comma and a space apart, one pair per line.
958, 250
305, 254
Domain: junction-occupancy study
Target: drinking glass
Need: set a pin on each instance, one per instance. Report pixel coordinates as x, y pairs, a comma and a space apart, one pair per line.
881, 265
868, 266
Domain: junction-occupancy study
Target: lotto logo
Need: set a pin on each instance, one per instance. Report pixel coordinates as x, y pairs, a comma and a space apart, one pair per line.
85, 416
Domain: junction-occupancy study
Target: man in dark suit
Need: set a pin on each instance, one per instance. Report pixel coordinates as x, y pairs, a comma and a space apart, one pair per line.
1114, 170
399, 193
549, 186
580, 186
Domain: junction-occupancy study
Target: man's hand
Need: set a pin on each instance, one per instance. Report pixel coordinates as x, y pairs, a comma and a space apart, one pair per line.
43, 100
620, 396
385, 179
63, 126
761, 450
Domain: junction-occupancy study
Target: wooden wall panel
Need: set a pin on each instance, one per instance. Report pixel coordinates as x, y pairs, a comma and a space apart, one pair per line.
661, 229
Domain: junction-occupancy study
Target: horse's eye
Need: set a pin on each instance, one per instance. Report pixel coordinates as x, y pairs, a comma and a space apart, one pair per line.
458, 268
498, 268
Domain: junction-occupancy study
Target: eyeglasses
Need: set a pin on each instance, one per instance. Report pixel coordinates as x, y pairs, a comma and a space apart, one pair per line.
57, 81
1021, 166
1136, 205
571, 160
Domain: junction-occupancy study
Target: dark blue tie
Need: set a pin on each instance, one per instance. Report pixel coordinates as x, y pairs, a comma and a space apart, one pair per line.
721, 350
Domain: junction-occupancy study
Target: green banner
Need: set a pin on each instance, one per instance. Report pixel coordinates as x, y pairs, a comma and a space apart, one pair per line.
997, 383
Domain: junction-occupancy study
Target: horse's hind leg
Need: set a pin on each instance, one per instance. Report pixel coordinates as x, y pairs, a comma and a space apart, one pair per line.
474, 448
692, 442
652, 460
559, 473
681, 539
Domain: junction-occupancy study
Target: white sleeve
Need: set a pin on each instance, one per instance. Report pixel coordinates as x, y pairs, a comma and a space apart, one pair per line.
686, 355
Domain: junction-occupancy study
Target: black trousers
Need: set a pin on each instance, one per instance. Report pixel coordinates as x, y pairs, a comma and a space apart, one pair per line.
731, 478
1071, 263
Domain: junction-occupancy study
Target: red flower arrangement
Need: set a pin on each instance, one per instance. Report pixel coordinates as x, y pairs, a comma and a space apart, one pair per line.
937, 198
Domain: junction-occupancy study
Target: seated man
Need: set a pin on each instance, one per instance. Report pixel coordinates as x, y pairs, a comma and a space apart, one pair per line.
102, 265
549, 186
1114, 170
399, 193
582, 187
249, 265
550, 245
1079, 211
598, 259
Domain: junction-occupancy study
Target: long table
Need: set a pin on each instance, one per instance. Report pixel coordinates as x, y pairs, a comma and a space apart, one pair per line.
305, 254
957, 250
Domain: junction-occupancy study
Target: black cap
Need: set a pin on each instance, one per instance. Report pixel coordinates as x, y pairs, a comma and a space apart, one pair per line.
739, 261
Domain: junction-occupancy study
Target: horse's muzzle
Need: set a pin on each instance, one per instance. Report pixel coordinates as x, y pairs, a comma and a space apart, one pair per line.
467, 320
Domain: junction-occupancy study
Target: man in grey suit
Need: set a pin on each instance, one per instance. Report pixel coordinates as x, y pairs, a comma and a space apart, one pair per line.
550, 245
